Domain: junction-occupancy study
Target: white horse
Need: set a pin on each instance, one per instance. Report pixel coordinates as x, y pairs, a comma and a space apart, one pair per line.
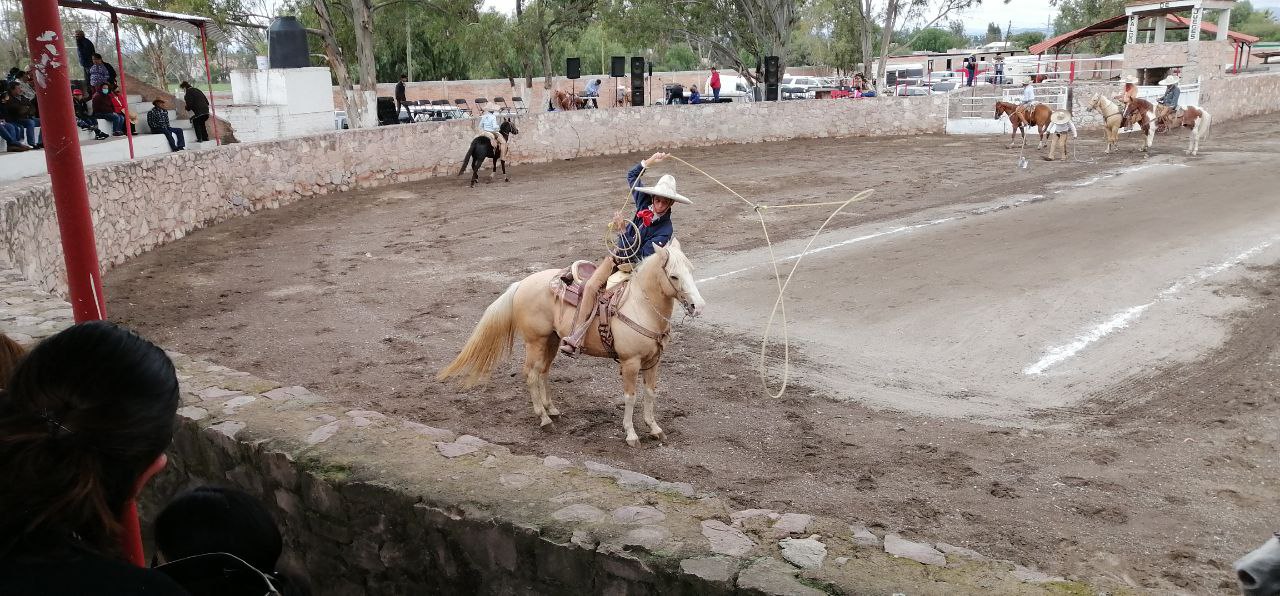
1199, 121
1112, 119
1259, 571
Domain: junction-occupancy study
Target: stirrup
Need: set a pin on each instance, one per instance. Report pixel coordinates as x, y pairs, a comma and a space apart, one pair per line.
568, 349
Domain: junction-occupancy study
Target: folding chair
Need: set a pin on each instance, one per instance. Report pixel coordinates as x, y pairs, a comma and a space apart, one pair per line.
464, 106
503, 108
519, 105
480, 101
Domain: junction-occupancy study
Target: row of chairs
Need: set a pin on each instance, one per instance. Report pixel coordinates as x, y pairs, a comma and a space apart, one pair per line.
517, 105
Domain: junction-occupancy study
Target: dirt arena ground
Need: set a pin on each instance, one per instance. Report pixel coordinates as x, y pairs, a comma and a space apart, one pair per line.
1073, 366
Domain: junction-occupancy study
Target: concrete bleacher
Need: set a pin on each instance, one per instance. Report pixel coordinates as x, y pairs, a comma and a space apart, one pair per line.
14, 166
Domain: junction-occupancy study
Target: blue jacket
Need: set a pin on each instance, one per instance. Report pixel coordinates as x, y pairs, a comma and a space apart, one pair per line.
658, 232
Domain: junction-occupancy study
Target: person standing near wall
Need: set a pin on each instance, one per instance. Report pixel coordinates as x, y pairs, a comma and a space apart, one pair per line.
85, 49
715, 85
402, 102
198, 105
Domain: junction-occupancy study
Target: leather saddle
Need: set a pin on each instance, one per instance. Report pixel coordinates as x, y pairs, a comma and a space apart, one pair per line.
567, 285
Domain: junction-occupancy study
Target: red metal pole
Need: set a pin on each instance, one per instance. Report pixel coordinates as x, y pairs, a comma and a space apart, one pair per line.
208, 78
70, 192
128, 125
1071, 78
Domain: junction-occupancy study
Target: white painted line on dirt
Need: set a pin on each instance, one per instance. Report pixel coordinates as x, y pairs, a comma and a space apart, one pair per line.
1059, 354
836, 245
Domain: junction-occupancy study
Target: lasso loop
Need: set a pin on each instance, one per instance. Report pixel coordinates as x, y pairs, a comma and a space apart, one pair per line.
780, 304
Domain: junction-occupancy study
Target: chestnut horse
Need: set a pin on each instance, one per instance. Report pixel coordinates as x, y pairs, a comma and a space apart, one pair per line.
531, 309
1144, 113
1022, 116
564, 100
1112, 118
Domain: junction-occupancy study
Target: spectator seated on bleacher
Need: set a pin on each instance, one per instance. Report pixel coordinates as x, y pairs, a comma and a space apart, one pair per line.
158, 120
104, 109
20, 112
12, 137
694, 96
83, 119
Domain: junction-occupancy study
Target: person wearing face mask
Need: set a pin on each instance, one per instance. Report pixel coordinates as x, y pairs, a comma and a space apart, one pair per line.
104, 108
648, 229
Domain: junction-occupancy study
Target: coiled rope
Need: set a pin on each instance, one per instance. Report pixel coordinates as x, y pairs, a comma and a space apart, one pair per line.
631, 248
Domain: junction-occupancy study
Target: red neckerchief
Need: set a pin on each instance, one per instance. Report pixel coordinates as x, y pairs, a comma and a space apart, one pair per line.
646, 216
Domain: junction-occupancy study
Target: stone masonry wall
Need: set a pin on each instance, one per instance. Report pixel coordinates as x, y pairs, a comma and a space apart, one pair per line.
144, 203
369, 504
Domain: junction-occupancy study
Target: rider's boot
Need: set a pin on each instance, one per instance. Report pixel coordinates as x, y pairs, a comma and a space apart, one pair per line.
569, 346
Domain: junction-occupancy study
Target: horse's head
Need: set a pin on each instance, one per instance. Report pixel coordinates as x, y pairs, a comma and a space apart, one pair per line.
1259, 571
1095, 102
679, 272
508, 127
1003, 108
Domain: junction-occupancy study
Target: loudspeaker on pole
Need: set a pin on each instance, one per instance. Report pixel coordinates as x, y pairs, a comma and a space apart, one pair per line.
572, 68
618, 66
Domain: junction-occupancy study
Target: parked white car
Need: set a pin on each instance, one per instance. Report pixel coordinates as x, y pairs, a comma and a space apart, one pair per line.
798, 87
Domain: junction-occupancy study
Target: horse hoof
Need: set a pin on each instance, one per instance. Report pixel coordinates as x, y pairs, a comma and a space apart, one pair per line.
546, 422
633, 441
660, 436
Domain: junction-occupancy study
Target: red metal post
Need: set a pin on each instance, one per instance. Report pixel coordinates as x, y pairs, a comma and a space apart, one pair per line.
208, 78
70, 192
1071, 78
124, 91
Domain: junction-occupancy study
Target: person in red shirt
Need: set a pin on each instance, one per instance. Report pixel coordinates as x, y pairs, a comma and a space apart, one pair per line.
715, 85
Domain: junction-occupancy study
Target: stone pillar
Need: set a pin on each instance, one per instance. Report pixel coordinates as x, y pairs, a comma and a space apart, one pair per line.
1161, 22
1224, 23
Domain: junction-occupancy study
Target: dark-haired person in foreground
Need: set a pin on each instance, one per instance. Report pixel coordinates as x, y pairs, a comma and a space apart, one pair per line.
83, 427
222, 542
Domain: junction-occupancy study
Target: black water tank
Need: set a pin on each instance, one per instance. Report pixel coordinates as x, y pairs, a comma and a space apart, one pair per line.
287, 44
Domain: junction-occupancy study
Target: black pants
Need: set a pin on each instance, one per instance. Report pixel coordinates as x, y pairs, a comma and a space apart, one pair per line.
197, 124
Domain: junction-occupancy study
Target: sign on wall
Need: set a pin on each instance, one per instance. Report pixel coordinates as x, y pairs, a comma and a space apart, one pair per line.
1197, 14
1133, 29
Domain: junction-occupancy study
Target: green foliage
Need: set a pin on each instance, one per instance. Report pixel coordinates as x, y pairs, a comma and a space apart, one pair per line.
1074, 14
994, 33
936, 40
1250, 21
1026, 39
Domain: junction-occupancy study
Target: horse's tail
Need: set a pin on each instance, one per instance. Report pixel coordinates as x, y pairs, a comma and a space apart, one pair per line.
466, 159
489, 343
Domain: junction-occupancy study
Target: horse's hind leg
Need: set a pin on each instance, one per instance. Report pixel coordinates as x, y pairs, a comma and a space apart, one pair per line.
650, 400
630, 367
505, 177
535, 379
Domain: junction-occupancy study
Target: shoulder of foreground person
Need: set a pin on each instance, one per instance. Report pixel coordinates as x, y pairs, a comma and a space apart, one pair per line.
86, 575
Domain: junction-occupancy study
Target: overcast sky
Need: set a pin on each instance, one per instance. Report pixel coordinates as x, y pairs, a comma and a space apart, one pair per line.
1023, 13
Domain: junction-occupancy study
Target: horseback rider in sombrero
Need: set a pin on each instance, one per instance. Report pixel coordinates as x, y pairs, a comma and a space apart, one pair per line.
650, 227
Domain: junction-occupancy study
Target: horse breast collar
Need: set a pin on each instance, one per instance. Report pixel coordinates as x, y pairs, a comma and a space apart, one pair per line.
608, 308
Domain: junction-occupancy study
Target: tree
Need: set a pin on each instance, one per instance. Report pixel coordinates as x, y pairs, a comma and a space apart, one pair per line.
1026, 39
547, 20
734, 33
935, 40
908, 10
994, 33
1074, 14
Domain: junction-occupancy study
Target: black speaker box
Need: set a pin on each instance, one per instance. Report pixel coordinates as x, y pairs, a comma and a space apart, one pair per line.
618, 66
572, 68
637, 80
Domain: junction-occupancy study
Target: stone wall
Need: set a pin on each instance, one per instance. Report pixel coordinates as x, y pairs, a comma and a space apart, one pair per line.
144, 203
1228, 98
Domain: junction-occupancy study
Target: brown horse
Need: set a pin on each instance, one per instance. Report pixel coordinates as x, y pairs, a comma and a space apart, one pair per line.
531, 309
1143, 113
564, 100
1022, 116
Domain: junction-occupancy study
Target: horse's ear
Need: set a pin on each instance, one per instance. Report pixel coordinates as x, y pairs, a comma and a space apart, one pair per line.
675, 243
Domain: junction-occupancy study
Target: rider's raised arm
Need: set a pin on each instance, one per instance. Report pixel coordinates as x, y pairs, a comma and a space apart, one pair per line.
642, 200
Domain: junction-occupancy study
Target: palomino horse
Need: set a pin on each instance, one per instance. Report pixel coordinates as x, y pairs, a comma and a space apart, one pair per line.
1111, 118
1021, 117
1144, 113
639, 330
1198, 120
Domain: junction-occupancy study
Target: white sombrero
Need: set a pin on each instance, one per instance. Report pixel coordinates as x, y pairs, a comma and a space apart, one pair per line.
1060, 117
1170, 80
666, 187
1132, 80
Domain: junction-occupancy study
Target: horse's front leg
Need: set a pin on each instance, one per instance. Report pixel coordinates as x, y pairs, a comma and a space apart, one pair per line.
505, 177
1041, 130
630, 367
650, 401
